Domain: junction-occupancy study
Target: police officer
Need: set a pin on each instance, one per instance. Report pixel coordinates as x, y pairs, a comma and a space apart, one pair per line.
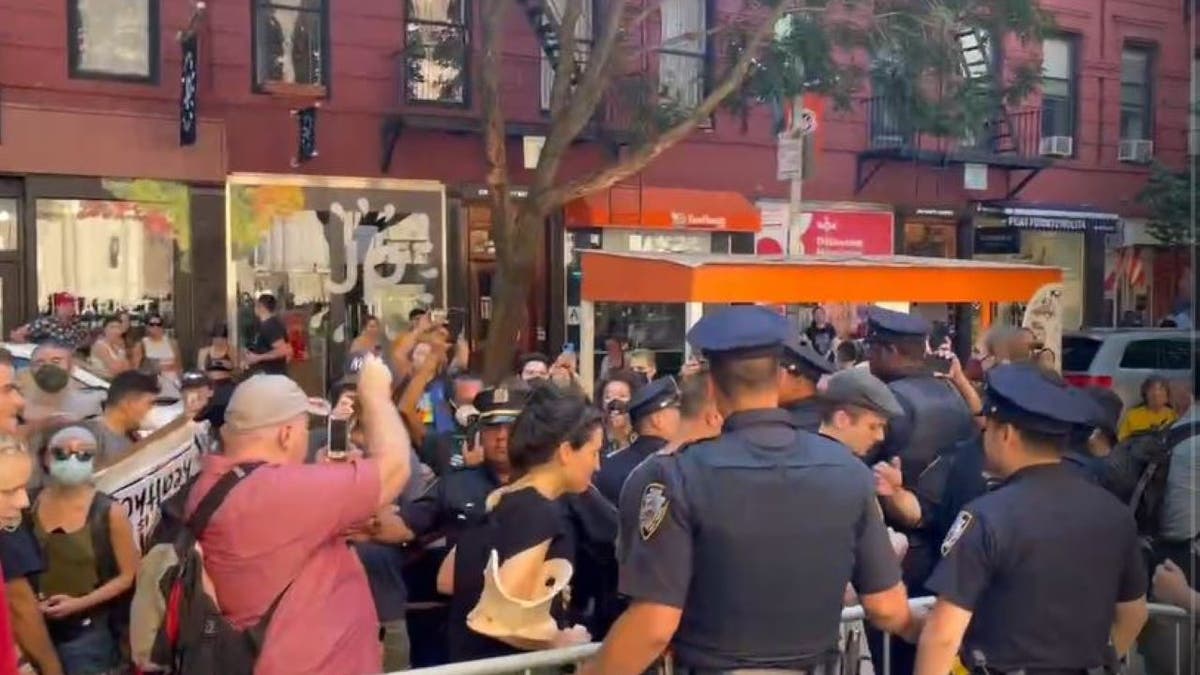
801, 368
1039, 574
654, 413
722, 567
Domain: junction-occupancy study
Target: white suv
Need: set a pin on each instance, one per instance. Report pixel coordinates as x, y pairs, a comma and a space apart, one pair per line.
1121, 359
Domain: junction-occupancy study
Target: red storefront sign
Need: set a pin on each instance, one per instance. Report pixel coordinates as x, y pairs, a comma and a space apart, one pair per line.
849, 233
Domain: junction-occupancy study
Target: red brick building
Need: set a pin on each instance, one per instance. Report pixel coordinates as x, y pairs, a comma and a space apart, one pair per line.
90, 99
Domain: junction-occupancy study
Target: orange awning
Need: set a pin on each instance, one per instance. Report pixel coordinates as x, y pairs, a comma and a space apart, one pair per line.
655, 208
674, 278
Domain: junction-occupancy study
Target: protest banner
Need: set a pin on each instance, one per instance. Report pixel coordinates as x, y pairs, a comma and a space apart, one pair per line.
157, 468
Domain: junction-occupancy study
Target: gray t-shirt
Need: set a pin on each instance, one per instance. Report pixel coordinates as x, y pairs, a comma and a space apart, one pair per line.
109, 444
1181, 502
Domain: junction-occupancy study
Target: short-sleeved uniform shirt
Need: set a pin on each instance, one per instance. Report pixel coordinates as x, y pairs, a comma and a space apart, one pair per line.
20, 555
617, 466
521, 520
271, 531
726, 530
269, 332
1041, 562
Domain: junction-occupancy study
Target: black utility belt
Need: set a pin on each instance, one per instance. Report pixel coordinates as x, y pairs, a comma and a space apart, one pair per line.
827, 668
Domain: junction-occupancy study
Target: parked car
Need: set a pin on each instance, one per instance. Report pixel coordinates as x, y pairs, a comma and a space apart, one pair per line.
166, 408
1121, 359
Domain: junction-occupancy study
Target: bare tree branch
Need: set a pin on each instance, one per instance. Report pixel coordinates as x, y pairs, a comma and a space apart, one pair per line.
642, 156
494, 138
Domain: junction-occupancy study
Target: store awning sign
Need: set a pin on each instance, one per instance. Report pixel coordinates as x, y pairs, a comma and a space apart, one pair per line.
654, 208
998, 240
1026, 218
848, 232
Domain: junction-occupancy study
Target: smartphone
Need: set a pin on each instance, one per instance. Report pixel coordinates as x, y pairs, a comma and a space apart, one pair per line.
456, 319
437, 317
938, 364
339, 440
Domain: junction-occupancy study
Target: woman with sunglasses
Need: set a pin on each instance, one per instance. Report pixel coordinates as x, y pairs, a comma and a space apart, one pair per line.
159, 348
90, 556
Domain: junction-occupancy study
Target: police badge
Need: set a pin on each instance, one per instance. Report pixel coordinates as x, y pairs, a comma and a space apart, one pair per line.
653, 509
961, 523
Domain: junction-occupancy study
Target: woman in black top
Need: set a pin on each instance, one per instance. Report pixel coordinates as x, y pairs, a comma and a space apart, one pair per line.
554, 449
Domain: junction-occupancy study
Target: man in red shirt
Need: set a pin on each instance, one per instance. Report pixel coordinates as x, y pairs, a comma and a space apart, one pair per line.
282, 532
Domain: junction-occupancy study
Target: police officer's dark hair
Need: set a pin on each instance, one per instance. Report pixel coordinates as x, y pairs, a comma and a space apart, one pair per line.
551, 416
849, 350
738, 376
268, 302
693, 393
414, 314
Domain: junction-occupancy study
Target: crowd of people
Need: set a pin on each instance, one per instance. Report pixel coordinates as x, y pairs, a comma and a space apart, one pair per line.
710, 521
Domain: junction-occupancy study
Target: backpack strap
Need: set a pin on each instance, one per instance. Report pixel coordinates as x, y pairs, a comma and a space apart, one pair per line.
216, 496
101, 531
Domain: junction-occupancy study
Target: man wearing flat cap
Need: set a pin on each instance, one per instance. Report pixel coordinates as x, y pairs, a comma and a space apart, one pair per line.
857, 407
654, 413
1043, 572
800, 369
747, 592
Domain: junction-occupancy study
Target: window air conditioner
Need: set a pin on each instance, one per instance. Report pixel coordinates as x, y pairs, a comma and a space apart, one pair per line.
1135, 151
1056, 146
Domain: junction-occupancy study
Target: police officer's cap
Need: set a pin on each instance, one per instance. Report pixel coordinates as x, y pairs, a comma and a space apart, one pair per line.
1022, 395
799, 358
885, 325
741, 332
659, 394
500, 405
858, 387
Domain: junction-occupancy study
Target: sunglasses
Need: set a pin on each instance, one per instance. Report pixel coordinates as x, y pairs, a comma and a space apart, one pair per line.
61, 454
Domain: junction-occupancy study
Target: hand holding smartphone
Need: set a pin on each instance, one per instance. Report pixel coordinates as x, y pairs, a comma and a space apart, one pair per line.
339, 440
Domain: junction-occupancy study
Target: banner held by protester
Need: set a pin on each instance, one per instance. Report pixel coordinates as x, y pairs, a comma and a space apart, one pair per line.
159, 466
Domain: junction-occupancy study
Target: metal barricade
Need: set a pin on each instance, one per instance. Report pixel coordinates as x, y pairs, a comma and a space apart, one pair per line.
526, 663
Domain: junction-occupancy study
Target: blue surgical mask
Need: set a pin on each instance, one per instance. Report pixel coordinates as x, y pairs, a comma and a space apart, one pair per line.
72, 470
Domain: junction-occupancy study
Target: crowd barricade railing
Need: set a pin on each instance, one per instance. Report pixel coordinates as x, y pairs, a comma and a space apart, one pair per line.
526, 663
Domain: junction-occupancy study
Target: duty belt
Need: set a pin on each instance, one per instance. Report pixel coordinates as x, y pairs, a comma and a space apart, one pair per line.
830, 668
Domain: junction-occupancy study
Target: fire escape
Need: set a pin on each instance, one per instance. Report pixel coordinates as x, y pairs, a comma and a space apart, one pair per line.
1007, 139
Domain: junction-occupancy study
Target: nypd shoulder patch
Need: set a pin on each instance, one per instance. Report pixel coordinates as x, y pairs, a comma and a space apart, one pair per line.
961, 522
653, 509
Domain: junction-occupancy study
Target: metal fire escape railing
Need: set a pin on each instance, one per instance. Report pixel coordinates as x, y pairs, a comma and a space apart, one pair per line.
979, 71
538, 13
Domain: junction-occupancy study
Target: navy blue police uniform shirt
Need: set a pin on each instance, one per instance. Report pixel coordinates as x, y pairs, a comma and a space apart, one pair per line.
20, 555
1042, 560
726, 528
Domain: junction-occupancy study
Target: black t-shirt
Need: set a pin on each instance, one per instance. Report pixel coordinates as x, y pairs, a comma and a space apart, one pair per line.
523, 519
269, 332
821, 338
20, 554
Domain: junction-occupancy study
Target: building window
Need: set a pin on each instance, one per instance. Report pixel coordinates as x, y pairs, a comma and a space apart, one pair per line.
436, 54
1058, 87
583, 45
289, 44
683, 54
1136, 111
113, 39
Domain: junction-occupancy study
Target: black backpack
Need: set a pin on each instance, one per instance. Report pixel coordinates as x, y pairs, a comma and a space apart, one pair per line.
195, 638
1136, 472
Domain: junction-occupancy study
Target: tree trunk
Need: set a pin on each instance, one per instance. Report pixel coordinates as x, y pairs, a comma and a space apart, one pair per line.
515, 266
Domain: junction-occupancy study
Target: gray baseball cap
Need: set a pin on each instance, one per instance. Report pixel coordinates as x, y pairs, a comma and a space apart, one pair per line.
858, 387
266, 401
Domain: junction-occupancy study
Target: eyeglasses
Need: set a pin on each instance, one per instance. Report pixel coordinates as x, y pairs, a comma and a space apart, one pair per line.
61, 454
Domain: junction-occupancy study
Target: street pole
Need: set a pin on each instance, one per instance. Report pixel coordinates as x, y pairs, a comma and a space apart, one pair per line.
796, 191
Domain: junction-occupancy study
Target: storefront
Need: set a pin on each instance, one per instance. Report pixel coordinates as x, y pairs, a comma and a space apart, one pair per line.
1072, 239
332, 250
638, 219
119, 226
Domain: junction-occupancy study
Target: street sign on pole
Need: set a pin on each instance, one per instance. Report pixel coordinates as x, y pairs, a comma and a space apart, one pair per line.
789, 157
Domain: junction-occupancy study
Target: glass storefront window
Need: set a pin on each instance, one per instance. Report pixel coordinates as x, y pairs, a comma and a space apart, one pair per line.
8, 224
1055, 249
113, 255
